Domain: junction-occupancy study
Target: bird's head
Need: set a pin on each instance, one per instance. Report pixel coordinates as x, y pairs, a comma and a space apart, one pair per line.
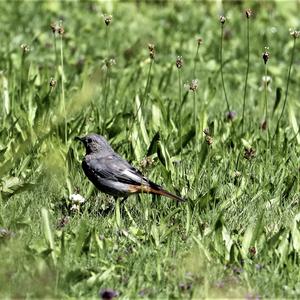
95, 143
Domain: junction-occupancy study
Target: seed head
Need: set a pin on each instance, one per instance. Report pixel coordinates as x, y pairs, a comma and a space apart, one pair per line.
206, 131
52, 83
54, 27
248, 13
179, 62
107, 19
5, 233
109, 62
192, 86
60, 30
222, 19
199, 41
25, 48
209, 140
264, 125
151, 48
146, 162
294, 33
252, 251
266, 55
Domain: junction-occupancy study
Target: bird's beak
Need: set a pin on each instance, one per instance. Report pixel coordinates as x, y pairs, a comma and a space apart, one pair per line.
77, 138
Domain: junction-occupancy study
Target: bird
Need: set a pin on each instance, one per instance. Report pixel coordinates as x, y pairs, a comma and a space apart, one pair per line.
113, 175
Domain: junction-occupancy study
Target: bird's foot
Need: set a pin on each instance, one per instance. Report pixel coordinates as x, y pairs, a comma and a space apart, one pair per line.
105, 212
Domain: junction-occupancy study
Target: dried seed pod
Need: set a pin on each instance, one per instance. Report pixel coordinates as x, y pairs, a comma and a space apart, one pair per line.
266, 55
199, 41
52, 82
107, 19
209, 140
248, 13
179, 62
222, 19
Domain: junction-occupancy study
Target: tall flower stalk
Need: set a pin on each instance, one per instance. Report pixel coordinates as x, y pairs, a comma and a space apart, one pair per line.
222, 21
179, 64
265, 125
61, 31
25, 50
54, 29
295, 34
196, 58
151, 48
193, 87
209, 140
248, 14
107, 21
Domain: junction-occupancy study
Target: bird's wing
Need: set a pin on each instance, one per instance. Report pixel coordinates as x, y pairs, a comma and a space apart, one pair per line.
115, 168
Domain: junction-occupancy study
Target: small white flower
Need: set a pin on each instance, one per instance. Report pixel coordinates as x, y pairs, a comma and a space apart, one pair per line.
112, 62
191, 86
266, 82
77, 199
294, 33
25, 48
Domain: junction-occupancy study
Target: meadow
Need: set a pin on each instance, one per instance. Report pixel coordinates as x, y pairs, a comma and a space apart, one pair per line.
202, 97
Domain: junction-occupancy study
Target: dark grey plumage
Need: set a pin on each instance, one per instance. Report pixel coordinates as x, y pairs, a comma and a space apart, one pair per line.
113, 175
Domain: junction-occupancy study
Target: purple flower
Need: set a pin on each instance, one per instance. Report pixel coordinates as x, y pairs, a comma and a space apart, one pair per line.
231, 115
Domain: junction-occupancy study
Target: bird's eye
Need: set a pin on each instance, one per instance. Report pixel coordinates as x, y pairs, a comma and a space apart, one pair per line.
89, 140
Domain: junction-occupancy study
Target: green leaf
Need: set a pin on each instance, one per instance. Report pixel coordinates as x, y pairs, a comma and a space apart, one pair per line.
283, 247
294, 123
155, 234
136, 144
186, 138
252, 234
277, 98
5, 94
48, 233
228, 241
118, 213
164, 156
153, 145
203, 155
141, 120
296, 233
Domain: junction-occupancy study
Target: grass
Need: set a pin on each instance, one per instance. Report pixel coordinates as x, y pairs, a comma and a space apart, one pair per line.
238, 233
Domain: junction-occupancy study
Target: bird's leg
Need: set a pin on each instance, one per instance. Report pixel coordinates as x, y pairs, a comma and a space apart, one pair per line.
111, 207
107, 210
122, 205
123, 200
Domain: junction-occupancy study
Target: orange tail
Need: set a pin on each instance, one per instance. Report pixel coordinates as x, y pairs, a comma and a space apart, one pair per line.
166, 194
156, 191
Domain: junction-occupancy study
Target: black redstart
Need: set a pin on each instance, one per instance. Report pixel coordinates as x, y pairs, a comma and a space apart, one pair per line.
113, 175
